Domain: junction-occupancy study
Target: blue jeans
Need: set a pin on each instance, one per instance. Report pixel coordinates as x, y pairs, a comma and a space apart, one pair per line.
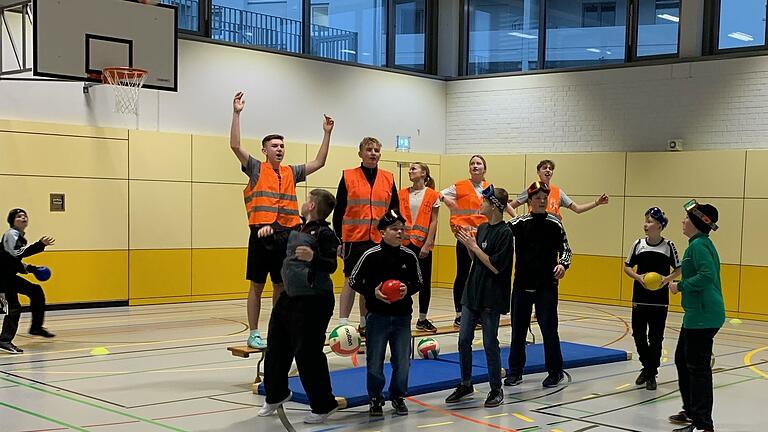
395, 331
490, 321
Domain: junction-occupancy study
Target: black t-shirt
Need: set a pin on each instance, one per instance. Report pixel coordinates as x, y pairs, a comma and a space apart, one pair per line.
660, 258
485, 289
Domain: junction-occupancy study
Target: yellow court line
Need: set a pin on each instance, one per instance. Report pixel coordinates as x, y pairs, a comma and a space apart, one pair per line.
623, 386
496, 415
523, 418
556, 430
748, 361
435, 424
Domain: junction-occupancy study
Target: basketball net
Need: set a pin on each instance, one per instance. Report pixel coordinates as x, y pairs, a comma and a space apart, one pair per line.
126, 82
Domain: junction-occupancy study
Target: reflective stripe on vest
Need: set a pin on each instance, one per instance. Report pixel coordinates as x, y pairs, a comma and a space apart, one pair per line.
468, 203
272, 199
365, 205
417, 229
553, 202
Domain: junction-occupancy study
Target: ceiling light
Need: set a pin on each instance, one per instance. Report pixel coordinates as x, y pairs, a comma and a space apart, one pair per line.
346, 51
594, 50
522, 35
669, 17
741, 36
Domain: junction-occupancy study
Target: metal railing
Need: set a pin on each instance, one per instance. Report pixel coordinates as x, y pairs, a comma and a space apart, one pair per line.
253, 28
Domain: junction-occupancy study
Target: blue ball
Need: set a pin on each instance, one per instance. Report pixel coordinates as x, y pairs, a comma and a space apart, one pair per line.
42, 273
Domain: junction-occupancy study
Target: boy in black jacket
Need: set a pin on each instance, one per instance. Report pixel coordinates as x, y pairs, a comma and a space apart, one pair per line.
487, 293
302, 313
14, 249
543, 256
389, 322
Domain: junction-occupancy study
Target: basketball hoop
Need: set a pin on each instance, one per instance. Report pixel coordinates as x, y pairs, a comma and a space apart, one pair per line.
126, 82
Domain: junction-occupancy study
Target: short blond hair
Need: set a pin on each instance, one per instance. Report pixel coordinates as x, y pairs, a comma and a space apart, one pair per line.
369, 141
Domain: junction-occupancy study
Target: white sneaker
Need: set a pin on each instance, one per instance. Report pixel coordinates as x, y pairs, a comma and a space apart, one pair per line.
313, 418
270, 408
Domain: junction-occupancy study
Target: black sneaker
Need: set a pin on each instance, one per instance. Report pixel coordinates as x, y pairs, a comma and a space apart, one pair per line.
361, 331
513, 380
42, 331
398, 404
680, 418
686, 428
650, 384
494, 399
10, 348
457, 321
553, 379
460, 393
426, 325
376, 408
641, 378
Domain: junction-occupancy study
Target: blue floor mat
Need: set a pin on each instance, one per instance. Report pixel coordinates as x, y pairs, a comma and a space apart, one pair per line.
574, 356
428, 376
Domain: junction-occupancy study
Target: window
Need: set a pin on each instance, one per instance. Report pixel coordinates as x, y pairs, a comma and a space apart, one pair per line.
503, 36
584, 34
741, 24
353, 31
410, 26
271, 24
598, 14
657, 27
320, 14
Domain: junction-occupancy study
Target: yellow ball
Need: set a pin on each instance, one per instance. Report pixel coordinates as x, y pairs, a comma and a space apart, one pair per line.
652, 280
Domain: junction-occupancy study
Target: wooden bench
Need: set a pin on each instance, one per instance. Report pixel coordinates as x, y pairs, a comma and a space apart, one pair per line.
244, 351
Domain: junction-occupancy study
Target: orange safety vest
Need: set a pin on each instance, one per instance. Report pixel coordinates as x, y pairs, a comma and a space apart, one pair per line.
468, 203
365, 205
553, 202
272, 199
416, 229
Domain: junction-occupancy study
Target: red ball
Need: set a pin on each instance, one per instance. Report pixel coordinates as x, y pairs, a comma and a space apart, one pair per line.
391, 290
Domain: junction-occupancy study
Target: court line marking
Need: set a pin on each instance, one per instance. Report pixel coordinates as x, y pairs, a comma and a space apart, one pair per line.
93, 405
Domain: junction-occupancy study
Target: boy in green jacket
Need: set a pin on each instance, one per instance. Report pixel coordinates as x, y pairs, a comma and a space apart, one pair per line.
704, 315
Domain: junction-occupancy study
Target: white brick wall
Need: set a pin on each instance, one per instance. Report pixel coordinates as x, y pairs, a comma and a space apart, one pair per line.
709, 104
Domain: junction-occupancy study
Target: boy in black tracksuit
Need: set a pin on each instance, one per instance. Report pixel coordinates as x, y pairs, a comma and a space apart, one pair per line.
388, 322
653, 253
302, 313
543, 256
14, 248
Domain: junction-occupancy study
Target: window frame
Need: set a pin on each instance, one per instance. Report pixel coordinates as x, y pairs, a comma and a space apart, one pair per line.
630, 42
714, 37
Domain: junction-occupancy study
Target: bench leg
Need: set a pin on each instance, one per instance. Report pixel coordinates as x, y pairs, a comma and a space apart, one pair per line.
257, 381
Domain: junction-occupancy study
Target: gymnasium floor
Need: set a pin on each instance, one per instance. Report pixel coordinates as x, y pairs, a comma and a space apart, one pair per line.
168, 369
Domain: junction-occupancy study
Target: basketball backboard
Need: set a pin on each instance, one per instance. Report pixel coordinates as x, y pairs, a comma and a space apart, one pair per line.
77, 39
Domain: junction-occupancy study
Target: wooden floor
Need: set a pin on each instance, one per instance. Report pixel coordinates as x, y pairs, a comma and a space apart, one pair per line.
161, 368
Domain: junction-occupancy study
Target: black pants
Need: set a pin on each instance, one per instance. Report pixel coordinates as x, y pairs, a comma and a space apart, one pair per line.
463, 264
425, 293
648, 322
12, 286
546, 314
297, 329
694, 374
